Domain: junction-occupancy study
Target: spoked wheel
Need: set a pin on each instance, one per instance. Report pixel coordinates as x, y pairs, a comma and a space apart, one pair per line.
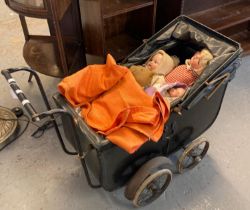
193, 154
149, 182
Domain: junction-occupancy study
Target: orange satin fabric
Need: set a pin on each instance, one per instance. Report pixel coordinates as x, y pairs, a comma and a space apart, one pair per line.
115, 105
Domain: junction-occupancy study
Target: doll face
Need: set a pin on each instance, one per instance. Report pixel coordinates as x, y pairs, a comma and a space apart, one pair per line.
195, 61
176, 92
199, 61
154, 62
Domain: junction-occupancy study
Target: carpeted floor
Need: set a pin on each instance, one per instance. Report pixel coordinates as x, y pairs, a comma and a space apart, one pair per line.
35, 174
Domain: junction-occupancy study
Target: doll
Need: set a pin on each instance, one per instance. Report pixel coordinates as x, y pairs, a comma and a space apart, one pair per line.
191, 70
170, 91
178, 80
158, 65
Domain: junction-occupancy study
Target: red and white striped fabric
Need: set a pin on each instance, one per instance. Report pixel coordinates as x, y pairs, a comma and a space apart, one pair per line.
181, 74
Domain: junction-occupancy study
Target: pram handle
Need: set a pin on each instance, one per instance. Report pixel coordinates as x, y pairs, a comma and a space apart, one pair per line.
20, 94
49, 113
30, 109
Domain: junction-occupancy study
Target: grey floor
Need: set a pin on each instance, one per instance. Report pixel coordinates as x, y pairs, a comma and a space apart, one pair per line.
36, 175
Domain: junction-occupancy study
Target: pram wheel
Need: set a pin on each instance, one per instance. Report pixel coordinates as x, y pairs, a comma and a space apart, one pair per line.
149, 182
193, 154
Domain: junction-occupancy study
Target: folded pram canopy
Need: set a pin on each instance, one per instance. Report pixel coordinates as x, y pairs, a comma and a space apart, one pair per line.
114, 104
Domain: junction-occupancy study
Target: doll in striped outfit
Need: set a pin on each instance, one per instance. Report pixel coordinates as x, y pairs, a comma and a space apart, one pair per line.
191, 70
181, 77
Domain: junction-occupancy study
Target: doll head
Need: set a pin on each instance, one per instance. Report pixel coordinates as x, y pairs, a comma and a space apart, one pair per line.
154, 61
173, 90
161, 63
176, 91
199, 61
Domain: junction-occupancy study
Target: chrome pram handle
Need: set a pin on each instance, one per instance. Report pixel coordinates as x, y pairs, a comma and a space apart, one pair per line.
31, 110
19, 93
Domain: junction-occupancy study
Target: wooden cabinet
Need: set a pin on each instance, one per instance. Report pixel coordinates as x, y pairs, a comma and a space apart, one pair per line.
62, 51
116, 26
231, 18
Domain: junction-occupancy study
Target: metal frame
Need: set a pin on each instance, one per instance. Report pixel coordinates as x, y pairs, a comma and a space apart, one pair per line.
49, 113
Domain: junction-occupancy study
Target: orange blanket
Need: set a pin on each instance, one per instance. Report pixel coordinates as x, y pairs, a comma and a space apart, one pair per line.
115, 105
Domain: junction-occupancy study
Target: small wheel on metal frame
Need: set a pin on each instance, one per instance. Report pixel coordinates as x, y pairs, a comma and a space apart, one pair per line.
193, 154
149, 182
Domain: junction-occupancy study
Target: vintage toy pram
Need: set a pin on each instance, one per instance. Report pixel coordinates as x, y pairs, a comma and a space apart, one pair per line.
148, 171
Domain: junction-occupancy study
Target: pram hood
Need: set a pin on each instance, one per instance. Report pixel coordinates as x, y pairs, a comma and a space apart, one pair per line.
185, 32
